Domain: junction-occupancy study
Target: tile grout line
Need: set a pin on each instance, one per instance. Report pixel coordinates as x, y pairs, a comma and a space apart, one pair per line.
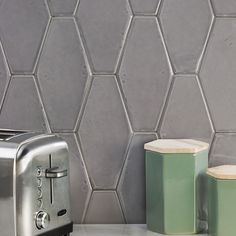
165, 107
122, 51
78, 140
89, 80
130, 131
124, 104
185, 74
126, 154
211, 149
5, 57
85, 47
206, 107
171, 77
87, 176
76, 8
199, 66
61, 17
218, 16
5, 93
86, 95
48, 7
207, 39
158, 7
130, 6
212, 7
124, 166
145, 132
123, 45
87, 207
44, 38
45, 115
82, 158
121, 207
8, 76
171, 63
37, 82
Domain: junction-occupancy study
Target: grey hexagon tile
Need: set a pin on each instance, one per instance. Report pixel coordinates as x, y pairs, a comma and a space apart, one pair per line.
132, 184
144, 7
223, 150
185, 25
4, 74
186, 115
104, 208
79, 182
226, 7
104, 24
218, 74
62, 74
104, 133
62, 7
22, 27
21, 107
145, 74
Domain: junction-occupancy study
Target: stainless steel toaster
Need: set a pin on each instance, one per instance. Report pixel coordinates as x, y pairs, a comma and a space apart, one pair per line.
34, 185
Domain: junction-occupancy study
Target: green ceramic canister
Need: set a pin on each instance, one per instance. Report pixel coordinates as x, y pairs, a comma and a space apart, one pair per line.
222, 200
175, 185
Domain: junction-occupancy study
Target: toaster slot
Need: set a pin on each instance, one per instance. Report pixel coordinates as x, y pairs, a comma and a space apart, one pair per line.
51, 180
6, 134
54, 173
58, 174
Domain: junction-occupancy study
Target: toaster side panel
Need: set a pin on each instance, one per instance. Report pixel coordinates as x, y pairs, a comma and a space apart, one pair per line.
42, 186
7, 227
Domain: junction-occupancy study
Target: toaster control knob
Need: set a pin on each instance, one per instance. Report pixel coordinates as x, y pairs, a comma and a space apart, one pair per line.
42, 220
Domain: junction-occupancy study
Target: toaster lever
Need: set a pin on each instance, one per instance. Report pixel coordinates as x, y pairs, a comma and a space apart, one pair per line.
55, 173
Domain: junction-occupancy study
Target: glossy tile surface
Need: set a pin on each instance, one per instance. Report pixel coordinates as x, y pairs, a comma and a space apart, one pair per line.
186, 115
144, 74
114, 230
218, 76
132, 182
22, 27
223, 150
185, 26
21, 108
226, 7
4, 74
104, 24
144, 7
62, 74
62, 7
104, 207
104, 133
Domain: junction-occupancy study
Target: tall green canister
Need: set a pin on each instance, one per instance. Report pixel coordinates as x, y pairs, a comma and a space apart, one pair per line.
222, 200
175, 185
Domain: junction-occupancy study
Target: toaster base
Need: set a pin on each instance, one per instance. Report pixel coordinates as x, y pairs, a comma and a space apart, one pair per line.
60, 231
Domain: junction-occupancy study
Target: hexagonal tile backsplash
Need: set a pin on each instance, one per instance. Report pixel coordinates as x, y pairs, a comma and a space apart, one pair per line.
110, 75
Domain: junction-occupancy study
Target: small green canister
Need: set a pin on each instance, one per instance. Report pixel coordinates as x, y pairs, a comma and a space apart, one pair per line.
222, 200
175, 170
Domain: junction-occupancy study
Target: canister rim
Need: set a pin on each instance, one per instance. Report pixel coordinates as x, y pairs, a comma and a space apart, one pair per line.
176, 146
223, 172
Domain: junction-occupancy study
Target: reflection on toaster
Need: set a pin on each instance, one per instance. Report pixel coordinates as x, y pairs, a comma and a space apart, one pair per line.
34, 181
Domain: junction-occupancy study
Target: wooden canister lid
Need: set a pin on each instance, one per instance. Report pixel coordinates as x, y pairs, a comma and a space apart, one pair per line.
223, 172
176, 146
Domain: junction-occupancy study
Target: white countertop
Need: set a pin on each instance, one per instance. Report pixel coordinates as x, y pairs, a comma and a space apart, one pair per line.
114, 230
